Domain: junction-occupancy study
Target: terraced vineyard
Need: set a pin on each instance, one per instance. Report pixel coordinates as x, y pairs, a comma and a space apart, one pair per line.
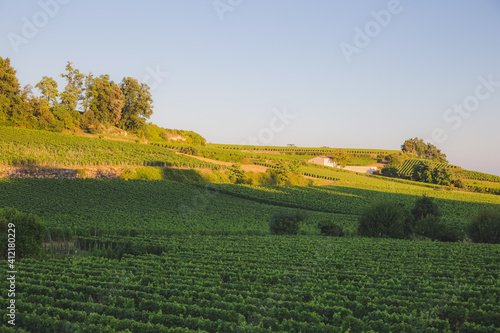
409, 165
266, 284
22, 146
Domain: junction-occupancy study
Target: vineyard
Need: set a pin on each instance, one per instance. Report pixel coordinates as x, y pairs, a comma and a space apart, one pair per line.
117, 207
24, 147
162, 250
265, 284
313, 151
409, 165
474, 175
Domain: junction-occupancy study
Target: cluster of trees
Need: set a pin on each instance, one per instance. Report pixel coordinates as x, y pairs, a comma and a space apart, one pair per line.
421, 149
426, 171
86, 102
391, 220
432, 173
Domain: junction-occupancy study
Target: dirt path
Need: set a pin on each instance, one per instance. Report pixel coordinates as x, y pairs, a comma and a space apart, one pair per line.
244, 167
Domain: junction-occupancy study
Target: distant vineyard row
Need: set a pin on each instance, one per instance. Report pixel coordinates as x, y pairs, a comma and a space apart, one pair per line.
305, 150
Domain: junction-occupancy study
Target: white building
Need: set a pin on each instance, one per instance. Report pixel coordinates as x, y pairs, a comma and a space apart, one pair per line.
324, 160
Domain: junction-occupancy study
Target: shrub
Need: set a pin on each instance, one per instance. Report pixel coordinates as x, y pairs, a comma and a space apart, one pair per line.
29, 233
485, 226
285, 224
434, 228
383, 219
424, 207
329, 229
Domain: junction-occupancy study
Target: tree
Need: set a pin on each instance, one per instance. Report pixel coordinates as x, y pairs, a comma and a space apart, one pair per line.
105, 100
29, 233
74, 87
87, 94
37, 110
423, 150
341, 157
429, 172
48, 88
383, 219
138, 105
485, 226
10, 92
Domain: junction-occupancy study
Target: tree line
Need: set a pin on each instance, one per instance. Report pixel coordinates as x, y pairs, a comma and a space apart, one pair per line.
85, 102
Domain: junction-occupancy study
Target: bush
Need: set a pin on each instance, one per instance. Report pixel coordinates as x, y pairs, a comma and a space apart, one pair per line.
329, 229
434, 228
423, 208
285, 224
29, 233
485, 226
383, 219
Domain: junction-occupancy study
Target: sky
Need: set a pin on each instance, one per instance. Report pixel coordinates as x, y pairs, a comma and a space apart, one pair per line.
346, 74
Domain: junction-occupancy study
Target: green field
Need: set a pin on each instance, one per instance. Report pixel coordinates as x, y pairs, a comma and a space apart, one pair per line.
119, 207
179, 254
24, 147
266, 284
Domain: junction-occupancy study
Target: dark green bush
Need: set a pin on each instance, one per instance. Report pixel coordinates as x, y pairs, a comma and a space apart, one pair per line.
485, 226
383, 219
285, 223
423, 208
29, 233
329, 229
434, 228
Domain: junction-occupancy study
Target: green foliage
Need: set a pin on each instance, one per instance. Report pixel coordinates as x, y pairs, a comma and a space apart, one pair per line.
424, 207
429, 172
390, 171
73, 89
328, 228
29, 233
138, 105
48, 88
485, 226
383, 219
423, 150
285, 223
341, 157
106, 100
434, 228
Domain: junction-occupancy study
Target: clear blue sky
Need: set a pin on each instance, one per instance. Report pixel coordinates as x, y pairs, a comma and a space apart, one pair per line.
227, 77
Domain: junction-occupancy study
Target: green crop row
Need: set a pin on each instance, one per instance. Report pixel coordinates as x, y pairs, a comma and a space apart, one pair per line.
264, 284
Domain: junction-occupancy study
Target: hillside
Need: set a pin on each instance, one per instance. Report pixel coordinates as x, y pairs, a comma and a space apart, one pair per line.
177, 238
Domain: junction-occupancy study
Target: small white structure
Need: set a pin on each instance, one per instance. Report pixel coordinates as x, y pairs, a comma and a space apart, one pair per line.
324, 160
